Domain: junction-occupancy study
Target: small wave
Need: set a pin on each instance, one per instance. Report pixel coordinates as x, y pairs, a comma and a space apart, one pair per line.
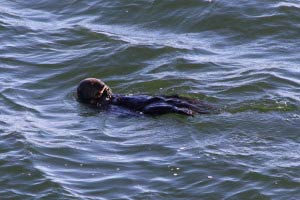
288, 5
20, 173
13, 101
263, 105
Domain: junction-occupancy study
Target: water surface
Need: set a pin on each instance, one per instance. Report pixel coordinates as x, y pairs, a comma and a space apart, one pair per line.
242, 57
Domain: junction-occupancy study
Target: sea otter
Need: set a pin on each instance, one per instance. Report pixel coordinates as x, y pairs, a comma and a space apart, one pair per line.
95, 92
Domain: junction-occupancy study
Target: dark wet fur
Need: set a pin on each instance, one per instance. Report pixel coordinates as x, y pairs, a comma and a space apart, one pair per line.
193, 104
89, 91
156, 105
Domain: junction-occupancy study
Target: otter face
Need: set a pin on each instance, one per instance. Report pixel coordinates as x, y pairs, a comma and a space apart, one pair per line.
93, 91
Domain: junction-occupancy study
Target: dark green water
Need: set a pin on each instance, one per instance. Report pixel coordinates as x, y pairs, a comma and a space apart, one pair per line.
241, 56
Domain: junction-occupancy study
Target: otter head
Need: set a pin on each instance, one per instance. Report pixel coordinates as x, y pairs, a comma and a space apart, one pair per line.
93, 91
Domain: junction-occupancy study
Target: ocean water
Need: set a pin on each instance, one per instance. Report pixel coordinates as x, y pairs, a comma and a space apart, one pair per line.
240, 56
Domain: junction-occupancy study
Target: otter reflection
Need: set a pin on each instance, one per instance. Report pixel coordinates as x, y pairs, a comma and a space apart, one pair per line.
95, 92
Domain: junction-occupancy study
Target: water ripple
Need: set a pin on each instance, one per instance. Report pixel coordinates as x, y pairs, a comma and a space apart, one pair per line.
240, 57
